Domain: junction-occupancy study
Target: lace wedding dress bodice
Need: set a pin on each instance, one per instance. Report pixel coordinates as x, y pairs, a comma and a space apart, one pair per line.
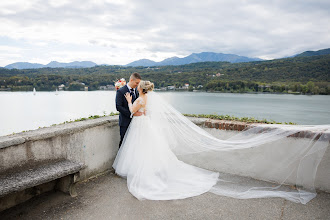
142, 102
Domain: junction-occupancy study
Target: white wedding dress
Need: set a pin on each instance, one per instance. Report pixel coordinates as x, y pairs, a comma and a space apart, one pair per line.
152, 169
148, 157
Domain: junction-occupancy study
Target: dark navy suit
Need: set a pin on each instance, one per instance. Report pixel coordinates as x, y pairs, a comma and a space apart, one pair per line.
122, 107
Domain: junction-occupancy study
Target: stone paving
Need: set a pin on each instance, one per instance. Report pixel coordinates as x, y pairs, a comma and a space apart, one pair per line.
107, 197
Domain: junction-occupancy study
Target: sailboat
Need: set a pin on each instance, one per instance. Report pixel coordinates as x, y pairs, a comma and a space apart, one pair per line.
56, 93
34, 91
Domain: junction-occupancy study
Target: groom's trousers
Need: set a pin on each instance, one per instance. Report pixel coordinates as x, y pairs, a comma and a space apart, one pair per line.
123, 130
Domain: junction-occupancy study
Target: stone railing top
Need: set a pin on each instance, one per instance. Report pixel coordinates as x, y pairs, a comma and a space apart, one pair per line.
52, 131
302, 132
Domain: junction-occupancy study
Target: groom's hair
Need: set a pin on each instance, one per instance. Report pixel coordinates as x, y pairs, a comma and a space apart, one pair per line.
135, 76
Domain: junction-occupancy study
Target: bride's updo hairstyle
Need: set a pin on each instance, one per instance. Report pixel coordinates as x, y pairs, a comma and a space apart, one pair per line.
146, 86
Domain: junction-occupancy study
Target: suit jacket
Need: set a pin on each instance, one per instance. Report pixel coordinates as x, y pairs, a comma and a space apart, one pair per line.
122, 105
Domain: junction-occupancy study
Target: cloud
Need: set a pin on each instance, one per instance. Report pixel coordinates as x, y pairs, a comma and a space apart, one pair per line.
10, 53
118, 32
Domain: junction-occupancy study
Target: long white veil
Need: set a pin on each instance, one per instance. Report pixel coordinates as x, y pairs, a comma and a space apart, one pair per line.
279, 160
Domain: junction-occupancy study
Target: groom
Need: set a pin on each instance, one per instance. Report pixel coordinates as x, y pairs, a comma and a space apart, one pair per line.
122, 105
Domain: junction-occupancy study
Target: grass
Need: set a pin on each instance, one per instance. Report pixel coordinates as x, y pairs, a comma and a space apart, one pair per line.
233, 118
90, 117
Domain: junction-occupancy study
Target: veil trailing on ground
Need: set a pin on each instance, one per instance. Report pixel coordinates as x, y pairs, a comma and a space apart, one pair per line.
260, 161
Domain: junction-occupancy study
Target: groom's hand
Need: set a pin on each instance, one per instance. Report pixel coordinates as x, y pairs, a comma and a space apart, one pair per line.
138, 113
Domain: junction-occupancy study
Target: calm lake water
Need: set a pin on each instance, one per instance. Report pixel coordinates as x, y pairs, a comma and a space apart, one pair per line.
24, 111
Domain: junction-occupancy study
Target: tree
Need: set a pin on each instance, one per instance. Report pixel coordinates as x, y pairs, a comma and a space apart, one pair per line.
310, 86
76, 86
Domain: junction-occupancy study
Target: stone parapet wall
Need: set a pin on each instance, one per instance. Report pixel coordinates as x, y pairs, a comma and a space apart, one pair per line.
92, 142
95, 143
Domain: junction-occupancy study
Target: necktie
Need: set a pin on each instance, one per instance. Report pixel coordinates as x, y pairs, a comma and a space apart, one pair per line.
133, 94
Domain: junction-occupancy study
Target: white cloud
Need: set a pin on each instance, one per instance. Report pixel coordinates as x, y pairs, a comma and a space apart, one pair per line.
9, 54
118, 32
4, 48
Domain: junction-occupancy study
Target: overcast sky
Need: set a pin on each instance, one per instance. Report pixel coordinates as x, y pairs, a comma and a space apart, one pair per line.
122, 31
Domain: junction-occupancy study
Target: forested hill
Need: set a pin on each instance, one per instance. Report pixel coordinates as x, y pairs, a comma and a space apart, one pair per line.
298, 69
288, 70
314, 53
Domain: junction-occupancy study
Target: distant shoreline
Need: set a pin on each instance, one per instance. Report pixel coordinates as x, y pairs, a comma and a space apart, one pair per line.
276, 93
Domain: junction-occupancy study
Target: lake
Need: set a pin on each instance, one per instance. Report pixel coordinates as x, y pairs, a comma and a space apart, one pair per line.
24, 111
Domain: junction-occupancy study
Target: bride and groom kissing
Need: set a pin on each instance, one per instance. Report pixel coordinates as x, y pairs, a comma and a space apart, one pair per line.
125, 97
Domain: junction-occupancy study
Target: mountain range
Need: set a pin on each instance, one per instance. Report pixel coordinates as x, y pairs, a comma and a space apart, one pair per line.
193, 58
53, 64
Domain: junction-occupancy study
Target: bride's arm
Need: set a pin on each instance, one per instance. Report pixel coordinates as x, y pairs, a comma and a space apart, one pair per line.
132, 107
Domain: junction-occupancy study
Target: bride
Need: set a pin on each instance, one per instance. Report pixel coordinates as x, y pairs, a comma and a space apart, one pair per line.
154, 142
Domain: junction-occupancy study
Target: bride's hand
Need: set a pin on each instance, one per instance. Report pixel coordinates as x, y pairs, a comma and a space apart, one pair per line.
128, 97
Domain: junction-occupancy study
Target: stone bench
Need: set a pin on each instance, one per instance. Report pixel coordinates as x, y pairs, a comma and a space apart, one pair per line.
63, 174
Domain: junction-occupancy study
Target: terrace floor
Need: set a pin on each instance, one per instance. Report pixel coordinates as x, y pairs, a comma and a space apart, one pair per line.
107, 197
